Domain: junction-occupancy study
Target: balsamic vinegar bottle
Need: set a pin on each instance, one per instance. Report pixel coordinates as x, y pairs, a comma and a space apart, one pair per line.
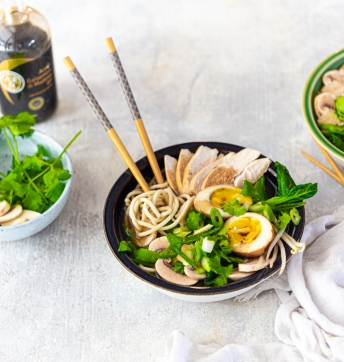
27, 78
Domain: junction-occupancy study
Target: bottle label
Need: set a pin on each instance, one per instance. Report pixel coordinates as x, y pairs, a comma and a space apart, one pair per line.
28, 84
12, 82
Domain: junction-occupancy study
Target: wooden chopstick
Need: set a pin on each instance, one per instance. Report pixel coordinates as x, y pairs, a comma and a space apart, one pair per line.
106, 123
134, 110
332, 163
324, 168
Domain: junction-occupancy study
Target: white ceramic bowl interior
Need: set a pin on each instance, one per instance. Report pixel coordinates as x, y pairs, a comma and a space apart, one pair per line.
28, 146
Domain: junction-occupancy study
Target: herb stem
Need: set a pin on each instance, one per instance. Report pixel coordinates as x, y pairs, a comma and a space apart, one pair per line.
60, 155
10, 146
66, 148
42, 173
2, 174
15, 143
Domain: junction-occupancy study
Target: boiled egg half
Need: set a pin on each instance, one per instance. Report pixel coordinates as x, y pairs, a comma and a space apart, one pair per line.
216, 196
250, 234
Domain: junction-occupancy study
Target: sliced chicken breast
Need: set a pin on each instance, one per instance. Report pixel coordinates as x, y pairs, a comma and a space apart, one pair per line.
183, 159
170, 171
225, 174
252, 172
203, 157
197, 180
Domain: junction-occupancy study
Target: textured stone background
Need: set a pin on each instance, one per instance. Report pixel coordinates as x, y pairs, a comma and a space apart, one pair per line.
226, 70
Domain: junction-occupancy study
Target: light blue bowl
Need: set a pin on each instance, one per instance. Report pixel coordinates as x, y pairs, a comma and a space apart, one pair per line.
28, 146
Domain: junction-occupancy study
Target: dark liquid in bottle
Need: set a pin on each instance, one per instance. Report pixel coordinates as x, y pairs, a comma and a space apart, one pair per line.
26, 71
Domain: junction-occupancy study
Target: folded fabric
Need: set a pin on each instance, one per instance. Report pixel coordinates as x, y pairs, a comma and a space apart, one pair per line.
309, 322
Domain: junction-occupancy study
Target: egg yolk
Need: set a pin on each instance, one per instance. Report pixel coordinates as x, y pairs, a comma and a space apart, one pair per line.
222, 195
243, 230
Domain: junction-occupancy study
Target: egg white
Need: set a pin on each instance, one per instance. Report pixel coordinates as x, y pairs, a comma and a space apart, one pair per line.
258, 246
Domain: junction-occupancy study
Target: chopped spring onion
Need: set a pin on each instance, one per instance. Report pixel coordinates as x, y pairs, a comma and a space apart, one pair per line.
203, 229
208, 245
216, 217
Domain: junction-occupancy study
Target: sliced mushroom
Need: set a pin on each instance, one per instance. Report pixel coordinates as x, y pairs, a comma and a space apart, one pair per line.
332, 76
4, 207
336, 88
323, 102
329, 117
14, 212
253, 265
237, 275
159, 244
164, 269
191, 273
26, 215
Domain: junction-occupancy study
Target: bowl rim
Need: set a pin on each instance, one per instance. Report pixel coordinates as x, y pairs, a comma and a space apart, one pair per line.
307, 104
128, 265
65, 191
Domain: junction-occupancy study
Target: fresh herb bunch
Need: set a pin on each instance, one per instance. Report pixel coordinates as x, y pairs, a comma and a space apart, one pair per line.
35, 182
335, 133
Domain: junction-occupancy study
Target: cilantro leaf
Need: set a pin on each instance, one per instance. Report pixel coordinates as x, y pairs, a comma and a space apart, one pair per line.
194, 220
222, 271
234, 208
19, 125
179, 267
34, 163
32, 200
176, 244
54, 192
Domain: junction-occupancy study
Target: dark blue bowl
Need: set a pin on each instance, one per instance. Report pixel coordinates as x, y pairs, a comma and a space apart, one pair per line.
113, 219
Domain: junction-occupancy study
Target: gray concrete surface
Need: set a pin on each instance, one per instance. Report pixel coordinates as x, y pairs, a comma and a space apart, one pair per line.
226, 70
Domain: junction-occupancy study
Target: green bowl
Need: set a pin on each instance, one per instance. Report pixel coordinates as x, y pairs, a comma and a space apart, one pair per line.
312, 88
